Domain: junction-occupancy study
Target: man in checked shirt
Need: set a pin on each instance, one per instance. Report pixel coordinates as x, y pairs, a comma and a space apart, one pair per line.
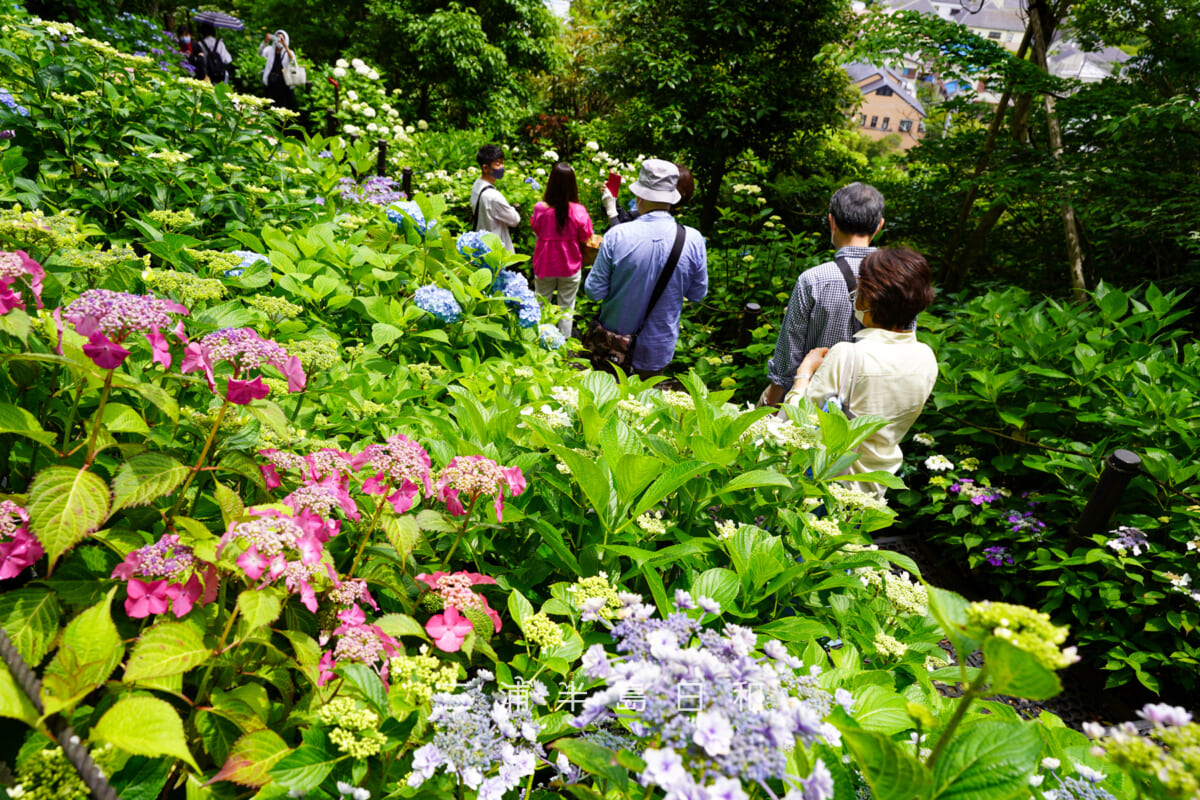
820, 312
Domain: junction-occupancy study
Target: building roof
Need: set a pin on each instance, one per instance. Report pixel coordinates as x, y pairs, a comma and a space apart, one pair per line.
990, 17
922, 6
1068, 60
878, 77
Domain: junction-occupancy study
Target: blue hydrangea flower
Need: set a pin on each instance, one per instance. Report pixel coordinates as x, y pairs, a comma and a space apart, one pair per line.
516, 289
407, 210
472, 247
537, 187
6, 99
439, 302
551, 337
529, 314
248, 258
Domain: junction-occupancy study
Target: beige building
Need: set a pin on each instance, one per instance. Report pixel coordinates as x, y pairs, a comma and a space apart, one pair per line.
888, 106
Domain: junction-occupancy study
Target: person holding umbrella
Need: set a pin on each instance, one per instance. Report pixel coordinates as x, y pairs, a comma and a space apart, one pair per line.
279, 57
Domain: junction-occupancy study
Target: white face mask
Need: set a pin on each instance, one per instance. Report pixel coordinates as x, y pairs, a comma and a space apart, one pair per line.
859, 314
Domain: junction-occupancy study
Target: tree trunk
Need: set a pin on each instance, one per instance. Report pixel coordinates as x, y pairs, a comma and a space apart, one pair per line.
712, 193
1041, 39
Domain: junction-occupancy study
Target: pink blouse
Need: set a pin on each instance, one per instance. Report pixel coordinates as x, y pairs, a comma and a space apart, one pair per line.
557, 254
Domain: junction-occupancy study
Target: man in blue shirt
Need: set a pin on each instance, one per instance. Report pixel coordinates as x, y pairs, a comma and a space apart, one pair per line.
631, 259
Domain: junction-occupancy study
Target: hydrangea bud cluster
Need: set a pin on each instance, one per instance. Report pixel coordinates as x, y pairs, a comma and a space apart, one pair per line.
889, 646
273, 546
246, 352
440, 302
18, 268
852, 499
353, 727
515, 287
781, 433
1025, 628
905, 594
18, 547
106, 318
450, 628
418, 676
276, 308
488, 745
398, 463
652, 523
316, 355
49, 775
187, 288
474, 477
1166, 762
165, 576
542, 631
710, 712
596, 587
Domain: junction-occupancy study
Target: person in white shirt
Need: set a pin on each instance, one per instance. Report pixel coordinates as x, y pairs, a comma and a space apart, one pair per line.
490, 212
885, 371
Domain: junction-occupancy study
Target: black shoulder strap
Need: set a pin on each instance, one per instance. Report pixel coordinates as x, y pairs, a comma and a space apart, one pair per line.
847, 274
668, 271
478, 203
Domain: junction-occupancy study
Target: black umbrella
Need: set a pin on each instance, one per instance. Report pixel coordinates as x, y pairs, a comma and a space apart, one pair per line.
220, 20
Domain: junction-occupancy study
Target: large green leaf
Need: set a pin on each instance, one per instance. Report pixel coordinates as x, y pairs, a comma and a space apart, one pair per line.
590, 476
754, 479
719, 584
307, 766
1013, 671
881, 709
595, 760
88, 653
65, 505
144, 478
892, 773
14, 419
259, 607
988, 761
120, 418
168, 648
252, 758
950, 610
668, 483
14, 703
144, 726
793, 629
30, 618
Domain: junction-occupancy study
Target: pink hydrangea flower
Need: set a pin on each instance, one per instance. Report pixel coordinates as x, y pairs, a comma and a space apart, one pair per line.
107, 318
400, 463
358, 642
178, 579
18, 268
246, 352
272, 546
455, 592
448, 629
18, 547
476, 476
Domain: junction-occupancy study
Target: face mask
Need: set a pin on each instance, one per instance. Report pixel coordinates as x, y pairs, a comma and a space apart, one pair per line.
186, 39
498, 173
858, 315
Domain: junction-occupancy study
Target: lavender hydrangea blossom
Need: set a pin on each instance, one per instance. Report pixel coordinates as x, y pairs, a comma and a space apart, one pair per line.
407, 211
472, 247
707, 704
489, 745
375, 190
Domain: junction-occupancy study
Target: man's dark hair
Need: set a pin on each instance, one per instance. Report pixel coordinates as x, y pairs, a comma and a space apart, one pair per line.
489, 153
857, 208
206, 29
896, 285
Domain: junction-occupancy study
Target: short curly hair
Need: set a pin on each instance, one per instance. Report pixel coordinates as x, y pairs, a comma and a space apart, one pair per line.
896, 285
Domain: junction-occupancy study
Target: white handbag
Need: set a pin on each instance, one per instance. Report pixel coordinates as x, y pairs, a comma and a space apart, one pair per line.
293, 74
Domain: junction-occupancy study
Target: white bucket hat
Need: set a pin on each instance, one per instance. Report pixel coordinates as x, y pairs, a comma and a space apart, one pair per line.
657, 182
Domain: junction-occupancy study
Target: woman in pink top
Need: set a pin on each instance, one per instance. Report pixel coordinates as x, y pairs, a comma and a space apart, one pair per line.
562, 226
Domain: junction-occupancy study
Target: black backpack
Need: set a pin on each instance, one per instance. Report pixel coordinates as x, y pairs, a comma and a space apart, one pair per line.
207, 63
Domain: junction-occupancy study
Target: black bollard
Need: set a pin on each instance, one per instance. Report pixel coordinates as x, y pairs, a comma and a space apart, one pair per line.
1119, 469
748, 322
331, 123
406, 182
381, 161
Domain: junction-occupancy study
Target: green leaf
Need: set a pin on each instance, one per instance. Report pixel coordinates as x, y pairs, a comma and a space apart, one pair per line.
402, 533
306, 767
595, 760
590, 476
383, 333
144, 478
950, 610
14, 703
991, 761
30, 618
65, 505
88, 653
144, 726
793, 629
719, 584
755, 478
892, 773
230, 503
271, 415
669, 482
881, 709
168, 648
368, 683
480, 278
14, 419
120, 418
400, 625
259, 607
519, 608
252, 757
152, 392
142, 778
1015, 672
634, 473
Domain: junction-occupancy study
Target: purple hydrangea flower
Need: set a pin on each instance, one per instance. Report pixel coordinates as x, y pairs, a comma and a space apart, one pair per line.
1163, 714
1128, 539
996, 556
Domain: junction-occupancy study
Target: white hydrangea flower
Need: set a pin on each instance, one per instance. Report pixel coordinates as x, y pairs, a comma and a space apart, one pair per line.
938, 463
342, 63
339, 72
923, 438
422, 124
351, 95
550, 155
593, 146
